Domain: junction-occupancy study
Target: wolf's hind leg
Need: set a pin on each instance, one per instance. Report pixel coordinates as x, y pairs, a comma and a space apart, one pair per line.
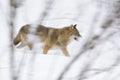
30, 45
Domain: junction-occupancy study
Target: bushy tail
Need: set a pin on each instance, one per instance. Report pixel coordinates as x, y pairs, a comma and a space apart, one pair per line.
17, 39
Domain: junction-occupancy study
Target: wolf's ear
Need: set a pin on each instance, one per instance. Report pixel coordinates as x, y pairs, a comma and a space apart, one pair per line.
74, 26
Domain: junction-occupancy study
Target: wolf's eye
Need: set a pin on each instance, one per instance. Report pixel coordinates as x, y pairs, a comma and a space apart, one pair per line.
75, 38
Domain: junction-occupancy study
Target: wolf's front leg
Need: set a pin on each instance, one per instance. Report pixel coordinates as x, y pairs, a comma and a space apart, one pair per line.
65, 52
45, 49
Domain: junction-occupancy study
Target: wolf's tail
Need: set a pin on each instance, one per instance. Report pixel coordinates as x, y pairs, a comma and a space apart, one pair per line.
17, 39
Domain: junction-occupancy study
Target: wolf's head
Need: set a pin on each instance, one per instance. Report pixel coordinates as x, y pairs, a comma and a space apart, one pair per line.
74, 32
